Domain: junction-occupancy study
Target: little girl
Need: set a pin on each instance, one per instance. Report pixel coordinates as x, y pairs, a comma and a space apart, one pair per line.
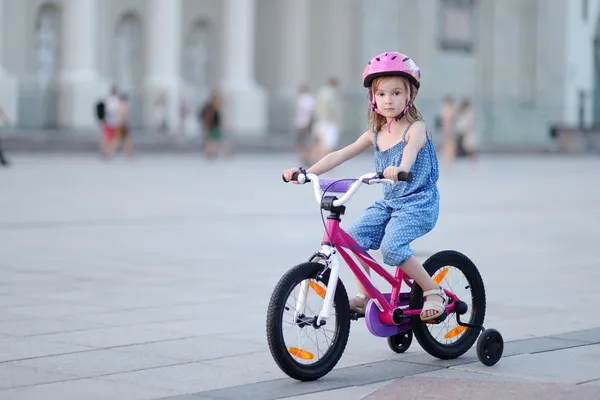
400, 141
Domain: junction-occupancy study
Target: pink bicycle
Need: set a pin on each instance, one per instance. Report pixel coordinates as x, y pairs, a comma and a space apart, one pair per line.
311, 302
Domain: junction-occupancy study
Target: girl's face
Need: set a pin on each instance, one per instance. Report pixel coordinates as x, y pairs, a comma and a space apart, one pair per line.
391, 95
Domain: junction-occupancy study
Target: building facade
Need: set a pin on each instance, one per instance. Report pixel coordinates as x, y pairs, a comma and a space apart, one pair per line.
525, 64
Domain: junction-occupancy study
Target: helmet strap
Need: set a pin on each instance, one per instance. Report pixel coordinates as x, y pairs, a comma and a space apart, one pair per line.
396, 118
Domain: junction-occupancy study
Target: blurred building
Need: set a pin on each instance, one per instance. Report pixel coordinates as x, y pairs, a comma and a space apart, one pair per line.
526, 64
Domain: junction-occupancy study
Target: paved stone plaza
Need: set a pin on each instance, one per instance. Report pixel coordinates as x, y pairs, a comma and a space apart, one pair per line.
151, 279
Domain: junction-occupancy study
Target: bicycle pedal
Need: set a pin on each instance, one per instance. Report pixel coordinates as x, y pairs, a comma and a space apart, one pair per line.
356, 316
438, 320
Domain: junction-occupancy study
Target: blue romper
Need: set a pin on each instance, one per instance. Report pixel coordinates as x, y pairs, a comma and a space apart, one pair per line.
407, 211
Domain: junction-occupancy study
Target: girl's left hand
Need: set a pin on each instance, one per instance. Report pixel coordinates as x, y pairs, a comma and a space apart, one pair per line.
391, 173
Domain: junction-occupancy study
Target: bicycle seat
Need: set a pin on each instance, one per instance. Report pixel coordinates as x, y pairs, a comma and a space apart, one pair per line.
337, 186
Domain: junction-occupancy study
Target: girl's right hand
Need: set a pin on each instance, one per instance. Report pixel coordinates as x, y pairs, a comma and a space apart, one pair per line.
287, 174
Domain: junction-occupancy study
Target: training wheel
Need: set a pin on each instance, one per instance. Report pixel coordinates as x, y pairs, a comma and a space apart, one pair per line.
401, 341
490, 346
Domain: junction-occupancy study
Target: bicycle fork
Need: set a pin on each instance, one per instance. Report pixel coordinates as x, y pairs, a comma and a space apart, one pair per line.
332, 261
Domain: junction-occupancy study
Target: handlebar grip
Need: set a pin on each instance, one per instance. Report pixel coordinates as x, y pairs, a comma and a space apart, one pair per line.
405, 176
295, 176
402, 176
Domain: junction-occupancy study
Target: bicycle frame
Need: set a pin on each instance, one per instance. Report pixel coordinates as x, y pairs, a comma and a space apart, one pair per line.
344, 244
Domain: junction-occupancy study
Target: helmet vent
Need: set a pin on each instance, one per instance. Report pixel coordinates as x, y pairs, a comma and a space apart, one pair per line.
378, 59
406, 59
393, 58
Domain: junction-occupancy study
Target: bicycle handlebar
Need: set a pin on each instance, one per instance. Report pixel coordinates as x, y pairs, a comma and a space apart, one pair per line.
368, 179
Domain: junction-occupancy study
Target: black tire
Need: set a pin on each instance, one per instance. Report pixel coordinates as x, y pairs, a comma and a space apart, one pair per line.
275, 338
469, 336
490, 347
400, 342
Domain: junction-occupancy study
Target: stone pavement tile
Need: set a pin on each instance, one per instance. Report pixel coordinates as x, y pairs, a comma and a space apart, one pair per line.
112, 337
537, 345
130, 317
516, 347
196, 348
455, 373
44, 326
14, 376
571, 366
257, 362
586, 335
440, 388
192, 377
7, 300
338, 378
56, 310
349, 393
427, 359
364, 348
89, 389
197, 327
96, 363
137, 297
188, 397
12, 348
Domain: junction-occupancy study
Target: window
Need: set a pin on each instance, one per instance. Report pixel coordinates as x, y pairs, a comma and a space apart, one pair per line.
457, 25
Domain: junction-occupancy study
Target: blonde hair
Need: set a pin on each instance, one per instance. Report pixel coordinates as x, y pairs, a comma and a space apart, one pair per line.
377, 121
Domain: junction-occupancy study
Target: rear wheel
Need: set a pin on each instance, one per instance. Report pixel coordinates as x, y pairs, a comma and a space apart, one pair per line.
457, 273
303, 350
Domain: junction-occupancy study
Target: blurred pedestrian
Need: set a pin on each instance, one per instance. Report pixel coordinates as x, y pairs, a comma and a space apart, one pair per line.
161, 107
447, 121
303, 122
110, 122
5, 122
122, 134
210, 119
328, 115
466, 133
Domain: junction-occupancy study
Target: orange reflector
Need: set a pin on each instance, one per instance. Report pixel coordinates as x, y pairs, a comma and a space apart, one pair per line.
303, 354
317, 288
455, 332
439, 277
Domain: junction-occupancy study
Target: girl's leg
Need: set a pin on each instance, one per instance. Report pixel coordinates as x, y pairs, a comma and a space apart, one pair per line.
359, 302
413, 268
367, 269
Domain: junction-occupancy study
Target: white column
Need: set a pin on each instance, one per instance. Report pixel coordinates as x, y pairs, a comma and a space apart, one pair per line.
9, 90
380, 36
81, 86
486, 58
295, 45
164, 59
244, 107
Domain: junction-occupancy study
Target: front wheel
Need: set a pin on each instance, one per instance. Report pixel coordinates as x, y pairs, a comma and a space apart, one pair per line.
303, 350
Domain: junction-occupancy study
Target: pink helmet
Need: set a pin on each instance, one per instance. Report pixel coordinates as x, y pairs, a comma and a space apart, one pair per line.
389, 64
